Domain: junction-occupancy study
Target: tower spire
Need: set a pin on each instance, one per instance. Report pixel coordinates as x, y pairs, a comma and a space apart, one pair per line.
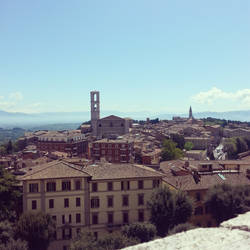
190, 113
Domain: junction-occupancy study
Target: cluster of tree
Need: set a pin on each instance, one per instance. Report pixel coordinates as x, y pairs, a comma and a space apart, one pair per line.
180, 142
128, 236
226, 201
170, 151
215, 121
10, 196
10, 134
169, 209
26, 232
222, 122
31, 231
235, 145
8, 148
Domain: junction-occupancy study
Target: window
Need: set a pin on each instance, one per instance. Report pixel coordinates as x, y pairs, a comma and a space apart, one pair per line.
100, 124
54, 217
51, 203
156, 183
141, 215
78, 218
94, 187
125, 200
111, 124
198, 210
96, 235
51, 186
63, 219
95, 203
33, 188
110, 186
67, 233
34, 204
110, 201
122, 125
125, 217
66, 202
140, 199
78, 202
70, 218
94, 218
125, 185
140, 184
66, 185
198, 196
77, 185
110, 218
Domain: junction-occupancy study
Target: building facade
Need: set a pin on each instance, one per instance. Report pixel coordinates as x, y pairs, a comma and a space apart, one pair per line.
71, 142
115, 151
97, 198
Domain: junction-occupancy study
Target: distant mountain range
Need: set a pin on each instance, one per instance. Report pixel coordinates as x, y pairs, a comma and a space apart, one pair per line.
10, 120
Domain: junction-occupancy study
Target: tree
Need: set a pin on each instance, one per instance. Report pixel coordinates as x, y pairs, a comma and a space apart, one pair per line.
143, 231
170, 152
7, 241
38, 229
188, 145
9, 147
169, 208
3, 150
9, 195
86, 240
179, 139
241, 145
231, 148
226, 201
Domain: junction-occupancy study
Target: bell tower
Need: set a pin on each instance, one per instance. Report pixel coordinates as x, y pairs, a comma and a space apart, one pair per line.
95, 110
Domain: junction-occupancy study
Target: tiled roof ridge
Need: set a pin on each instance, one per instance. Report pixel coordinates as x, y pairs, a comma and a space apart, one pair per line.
42, 169
71, 165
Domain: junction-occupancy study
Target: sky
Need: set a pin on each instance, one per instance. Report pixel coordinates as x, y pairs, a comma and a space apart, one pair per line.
142, 55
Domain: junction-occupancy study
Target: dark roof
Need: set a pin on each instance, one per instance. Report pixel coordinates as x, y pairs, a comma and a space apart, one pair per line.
102, 171
119, 171
53, 170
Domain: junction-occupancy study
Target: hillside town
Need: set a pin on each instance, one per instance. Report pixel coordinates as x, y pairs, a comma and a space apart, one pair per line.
101, 176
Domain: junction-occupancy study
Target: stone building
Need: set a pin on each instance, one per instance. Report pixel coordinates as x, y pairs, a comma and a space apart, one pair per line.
107, 127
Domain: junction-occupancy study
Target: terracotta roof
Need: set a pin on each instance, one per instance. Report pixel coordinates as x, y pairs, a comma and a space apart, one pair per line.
119, 171
187, 182
52, 170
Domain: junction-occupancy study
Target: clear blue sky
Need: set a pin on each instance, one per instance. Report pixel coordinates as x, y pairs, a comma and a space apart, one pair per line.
160, 56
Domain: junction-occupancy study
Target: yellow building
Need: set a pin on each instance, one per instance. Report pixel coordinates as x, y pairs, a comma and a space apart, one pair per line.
99, 198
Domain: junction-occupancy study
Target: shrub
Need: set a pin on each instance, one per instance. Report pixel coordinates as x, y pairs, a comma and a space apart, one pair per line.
143, 231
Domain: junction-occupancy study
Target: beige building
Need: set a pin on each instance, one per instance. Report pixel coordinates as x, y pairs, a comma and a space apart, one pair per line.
99, 198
